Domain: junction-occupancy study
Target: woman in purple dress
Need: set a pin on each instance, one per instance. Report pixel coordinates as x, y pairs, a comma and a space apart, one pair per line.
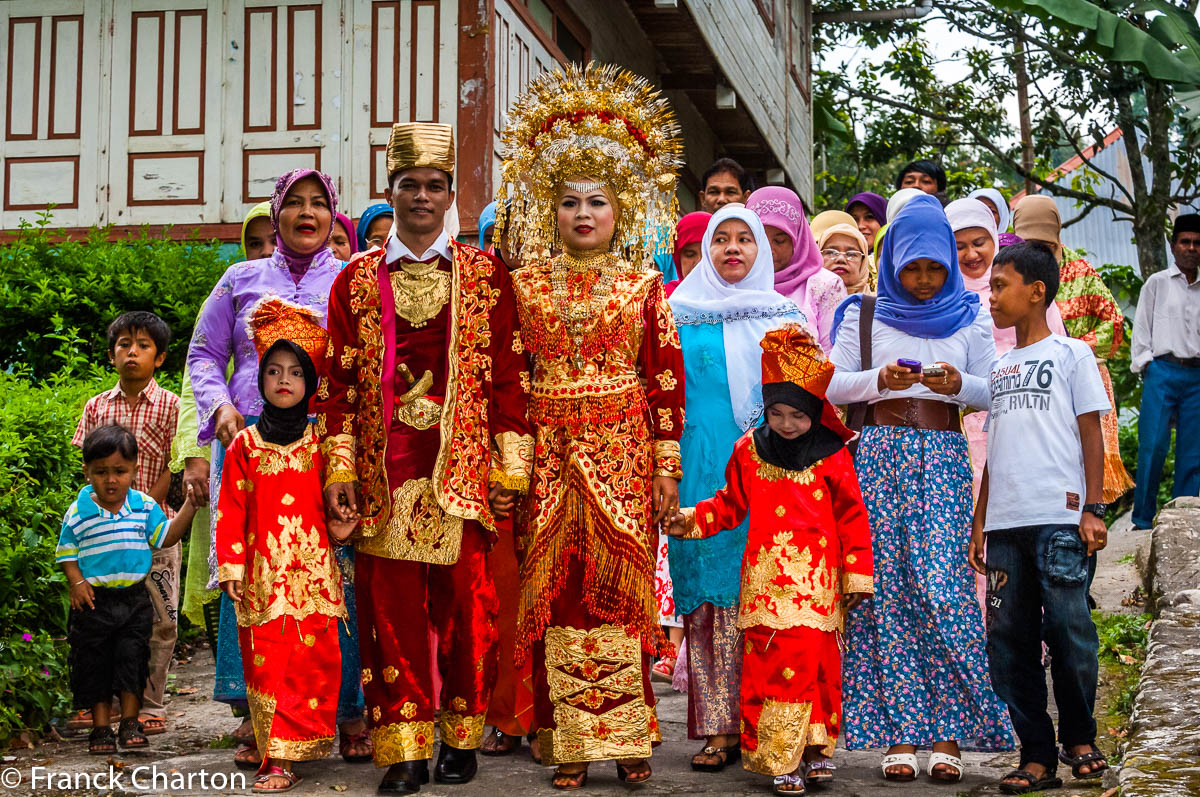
301, 271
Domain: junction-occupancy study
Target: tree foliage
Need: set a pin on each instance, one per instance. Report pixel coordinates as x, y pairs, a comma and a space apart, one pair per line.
1091, 67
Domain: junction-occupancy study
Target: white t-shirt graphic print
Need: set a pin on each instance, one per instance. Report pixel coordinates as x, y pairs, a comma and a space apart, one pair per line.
1035, 459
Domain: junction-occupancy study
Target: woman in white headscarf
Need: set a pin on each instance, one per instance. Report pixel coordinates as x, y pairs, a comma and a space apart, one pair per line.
995, 202
722, 310
976, 236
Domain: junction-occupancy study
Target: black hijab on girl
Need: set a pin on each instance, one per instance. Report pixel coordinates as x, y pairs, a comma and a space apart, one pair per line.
278, 426
814, 445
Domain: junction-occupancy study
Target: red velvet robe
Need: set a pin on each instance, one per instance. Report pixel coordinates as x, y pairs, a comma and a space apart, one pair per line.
423, 454
808, 545
271, 536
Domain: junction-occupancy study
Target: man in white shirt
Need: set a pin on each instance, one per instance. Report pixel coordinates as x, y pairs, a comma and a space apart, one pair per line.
1166, 350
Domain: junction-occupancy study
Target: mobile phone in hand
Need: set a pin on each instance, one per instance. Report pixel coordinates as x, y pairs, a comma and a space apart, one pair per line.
935, 371
912, 365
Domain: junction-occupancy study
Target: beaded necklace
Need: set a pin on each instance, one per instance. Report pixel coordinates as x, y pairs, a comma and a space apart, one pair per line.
578, 316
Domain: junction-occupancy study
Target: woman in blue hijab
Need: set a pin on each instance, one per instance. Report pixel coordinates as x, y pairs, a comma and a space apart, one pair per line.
915, 674
374, 225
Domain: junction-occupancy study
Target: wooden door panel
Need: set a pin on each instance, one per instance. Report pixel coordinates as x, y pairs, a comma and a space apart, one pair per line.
51, 56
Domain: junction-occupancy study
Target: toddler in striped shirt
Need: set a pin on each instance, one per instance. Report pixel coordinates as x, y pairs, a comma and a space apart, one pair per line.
105, 551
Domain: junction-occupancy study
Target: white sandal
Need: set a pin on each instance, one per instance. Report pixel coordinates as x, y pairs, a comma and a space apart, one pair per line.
949, 760
900, 760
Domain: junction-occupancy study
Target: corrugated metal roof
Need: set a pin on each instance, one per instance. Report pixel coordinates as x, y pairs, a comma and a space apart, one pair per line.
1104, 237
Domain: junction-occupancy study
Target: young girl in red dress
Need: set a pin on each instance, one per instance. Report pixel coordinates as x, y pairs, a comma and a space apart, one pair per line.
274, 554
807, 561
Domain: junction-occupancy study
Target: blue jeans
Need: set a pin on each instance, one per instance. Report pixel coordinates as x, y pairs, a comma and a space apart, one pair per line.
1037, 589
1168, 391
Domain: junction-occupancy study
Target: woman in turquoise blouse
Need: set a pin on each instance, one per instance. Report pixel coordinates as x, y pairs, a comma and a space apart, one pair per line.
722, 309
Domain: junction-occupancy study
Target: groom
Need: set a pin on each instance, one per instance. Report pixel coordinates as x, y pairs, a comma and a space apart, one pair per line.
427, 444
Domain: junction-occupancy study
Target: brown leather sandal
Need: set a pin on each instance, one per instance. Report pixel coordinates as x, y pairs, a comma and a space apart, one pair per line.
639, 772
130, 734
102, 741
569, 781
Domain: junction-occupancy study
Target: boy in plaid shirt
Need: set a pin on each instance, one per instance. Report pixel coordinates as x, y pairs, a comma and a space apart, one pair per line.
137, 346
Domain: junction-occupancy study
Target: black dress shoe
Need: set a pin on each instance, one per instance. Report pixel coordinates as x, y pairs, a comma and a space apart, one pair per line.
405, 777
454, 765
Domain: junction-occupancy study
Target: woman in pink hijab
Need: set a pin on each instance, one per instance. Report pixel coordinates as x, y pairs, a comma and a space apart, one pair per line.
799, 269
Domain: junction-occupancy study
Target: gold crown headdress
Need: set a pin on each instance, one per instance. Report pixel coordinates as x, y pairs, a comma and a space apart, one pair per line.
600, 122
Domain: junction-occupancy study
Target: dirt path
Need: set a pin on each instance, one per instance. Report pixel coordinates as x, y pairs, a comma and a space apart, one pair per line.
196, 723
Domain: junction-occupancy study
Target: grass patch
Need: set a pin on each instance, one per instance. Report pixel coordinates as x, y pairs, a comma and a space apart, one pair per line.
1122, 653
222, 742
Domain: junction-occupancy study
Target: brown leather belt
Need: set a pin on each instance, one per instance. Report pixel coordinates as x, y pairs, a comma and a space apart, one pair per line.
937, 416
1186, 362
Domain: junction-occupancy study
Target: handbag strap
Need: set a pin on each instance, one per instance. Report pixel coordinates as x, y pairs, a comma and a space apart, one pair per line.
865, 320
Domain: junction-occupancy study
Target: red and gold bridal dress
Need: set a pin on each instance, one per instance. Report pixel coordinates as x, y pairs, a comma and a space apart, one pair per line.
606, 405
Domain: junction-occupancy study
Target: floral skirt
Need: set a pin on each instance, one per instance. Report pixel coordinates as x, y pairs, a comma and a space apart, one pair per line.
916, 669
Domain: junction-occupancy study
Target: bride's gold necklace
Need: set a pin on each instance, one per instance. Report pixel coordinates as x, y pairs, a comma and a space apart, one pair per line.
578, 316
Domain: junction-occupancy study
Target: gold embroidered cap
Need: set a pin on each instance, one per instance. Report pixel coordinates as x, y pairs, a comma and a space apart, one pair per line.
415, 144
791, 354
602, 123
272, 319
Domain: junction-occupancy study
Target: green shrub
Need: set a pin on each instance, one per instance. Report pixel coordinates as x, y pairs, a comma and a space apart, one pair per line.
50, 290
33, 686
39, 477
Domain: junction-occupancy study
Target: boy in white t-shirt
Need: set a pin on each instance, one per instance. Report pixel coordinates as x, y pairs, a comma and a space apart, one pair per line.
1039, 507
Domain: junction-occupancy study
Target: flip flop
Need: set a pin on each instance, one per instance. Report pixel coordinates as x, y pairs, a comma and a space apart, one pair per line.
626, 772
569, 781
151, 725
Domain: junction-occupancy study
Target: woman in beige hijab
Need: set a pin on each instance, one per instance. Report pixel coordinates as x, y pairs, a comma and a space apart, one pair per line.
830, 230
